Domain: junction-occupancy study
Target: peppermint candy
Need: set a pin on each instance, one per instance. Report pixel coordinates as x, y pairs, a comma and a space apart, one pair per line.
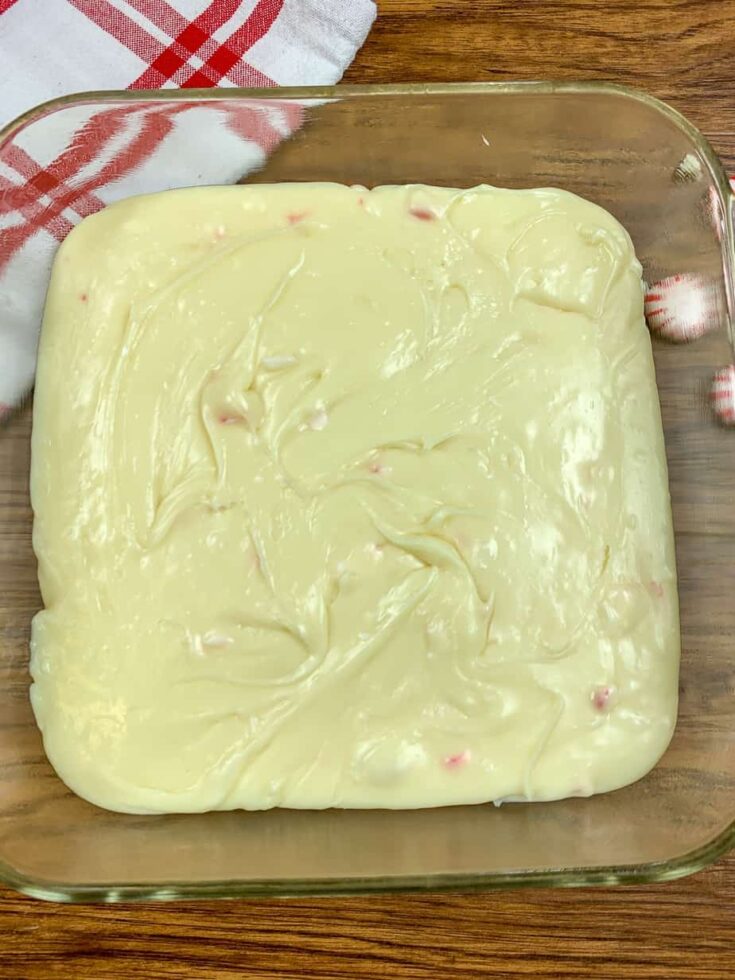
722, 394
681, 308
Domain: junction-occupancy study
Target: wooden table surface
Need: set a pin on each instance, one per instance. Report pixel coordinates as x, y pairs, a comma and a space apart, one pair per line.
682, 51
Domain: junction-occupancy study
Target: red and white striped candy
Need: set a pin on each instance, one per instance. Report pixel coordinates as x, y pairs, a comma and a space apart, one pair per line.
723, 394
713, 210
681, 308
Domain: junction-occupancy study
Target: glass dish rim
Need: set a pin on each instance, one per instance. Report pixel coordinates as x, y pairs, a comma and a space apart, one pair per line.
333, 92
650, 872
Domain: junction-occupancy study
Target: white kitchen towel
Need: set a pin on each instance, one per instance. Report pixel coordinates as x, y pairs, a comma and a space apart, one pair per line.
50, 48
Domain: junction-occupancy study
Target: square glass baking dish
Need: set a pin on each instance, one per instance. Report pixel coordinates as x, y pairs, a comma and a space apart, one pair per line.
657, 174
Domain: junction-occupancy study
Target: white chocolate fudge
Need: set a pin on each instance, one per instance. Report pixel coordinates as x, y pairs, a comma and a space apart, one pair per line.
350, 498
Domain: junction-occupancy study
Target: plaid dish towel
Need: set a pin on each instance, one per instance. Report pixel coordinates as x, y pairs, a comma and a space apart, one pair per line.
50, 48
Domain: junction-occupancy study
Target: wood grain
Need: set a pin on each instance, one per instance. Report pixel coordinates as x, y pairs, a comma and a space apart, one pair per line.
682, 51
677, 932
